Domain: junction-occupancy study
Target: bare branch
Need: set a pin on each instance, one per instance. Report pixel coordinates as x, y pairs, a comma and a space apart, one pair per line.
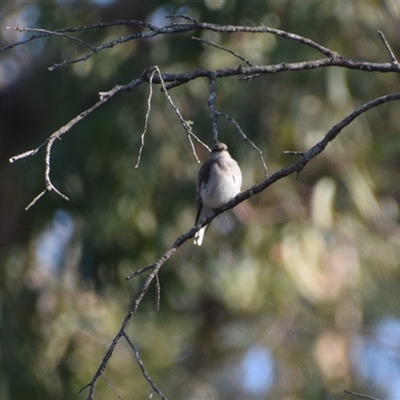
223, 48
28, 153
64, 129
138, 272
35, 199
296, 167
153, 75
49, 186
111, 387
293, 153
137, 300
215, 114
333, 58
45, 32
363, 396
183, 16
187, 125
388, 48
158, 295
244, 136
146, 119
141, 366
211, 105
101, 25
104, 96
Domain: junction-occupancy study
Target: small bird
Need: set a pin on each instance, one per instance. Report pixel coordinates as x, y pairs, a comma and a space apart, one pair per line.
218, 181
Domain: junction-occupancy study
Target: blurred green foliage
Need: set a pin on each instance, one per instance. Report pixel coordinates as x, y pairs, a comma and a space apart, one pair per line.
305, 270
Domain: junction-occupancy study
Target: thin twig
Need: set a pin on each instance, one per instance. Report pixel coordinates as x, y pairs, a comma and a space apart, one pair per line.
146, 119
187, 125
388, 48
110, 386
138, 272
49, 186
28, 153
142, 368
260, 154
293, 153
363, 396
46, 32
132, 311
158, 295
209, 42
97, 49
183, 16
35, 199
211, 105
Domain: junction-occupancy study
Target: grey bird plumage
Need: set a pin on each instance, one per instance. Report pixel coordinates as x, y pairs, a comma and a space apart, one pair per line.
218, 181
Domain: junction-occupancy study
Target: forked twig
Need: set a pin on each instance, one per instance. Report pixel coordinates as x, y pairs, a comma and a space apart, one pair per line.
48, 144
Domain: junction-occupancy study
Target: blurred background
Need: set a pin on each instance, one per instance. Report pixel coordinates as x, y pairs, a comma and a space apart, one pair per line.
293, 295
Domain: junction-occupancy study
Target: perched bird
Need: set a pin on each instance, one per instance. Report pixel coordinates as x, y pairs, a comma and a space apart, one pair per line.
218, 181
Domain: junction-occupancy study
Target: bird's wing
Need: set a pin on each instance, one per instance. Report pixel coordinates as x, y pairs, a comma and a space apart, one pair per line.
203, 178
